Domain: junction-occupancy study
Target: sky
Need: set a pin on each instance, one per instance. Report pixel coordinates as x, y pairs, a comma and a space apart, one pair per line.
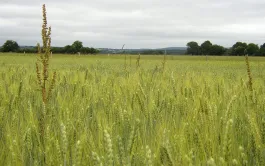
135, 23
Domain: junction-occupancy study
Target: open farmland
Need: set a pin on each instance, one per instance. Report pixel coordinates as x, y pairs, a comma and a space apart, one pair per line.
107, 110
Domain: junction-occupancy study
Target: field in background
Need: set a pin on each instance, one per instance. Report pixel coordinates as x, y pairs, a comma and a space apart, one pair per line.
107, 111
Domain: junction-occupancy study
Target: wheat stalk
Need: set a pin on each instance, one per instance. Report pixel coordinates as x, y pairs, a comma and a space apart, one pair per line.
44, 58
249, 74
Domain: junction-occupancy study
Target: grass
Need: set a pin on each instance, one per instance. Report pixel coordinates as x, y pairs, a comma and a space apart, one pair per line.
194, 112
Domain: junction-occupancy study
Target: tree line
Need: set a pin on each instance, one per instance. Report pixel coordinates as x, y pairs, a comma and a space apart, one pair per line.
193, 48
76, 47
152, 52
238, 49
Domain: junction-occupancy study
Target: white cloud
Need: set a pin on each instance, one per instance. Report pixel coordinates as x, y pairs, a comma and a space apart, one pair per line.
138, 24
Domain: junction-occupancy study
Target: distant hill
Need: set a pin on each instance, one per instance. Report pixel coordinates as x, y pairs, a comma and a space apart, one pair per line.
167, 50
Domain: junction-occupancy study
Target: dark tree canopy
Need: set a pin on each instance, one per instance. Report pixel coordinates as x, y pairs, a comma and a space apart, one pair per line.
217, 50
10, 46
152, 52
87, 50
76, 46
28, 50
242, 44
262, 50
252, 49
193, 48
239, 48
68, 49
206, 47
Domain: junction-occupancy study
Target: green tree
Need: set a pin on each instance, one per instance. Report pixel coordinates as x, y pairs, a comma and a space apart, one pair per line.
206, 47
252, 49
28, 50
193, 48
262, 50
228, 51
94, 51
217, 50
152, 52
57, 50
76, 46
239, 48
86, 50
68, 49
10, 46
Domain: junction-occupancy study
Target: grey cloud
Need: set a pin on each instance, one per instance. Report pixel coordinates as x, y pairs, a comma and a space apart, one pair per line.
149, 23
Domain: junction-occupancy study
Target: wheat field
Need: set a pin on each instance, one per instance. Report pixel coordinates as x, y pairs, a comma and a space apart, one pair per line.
109, 110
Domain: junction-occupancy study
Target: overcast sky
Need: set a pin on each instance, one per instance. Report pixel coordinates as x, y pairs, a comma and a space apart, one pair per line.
136, 23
